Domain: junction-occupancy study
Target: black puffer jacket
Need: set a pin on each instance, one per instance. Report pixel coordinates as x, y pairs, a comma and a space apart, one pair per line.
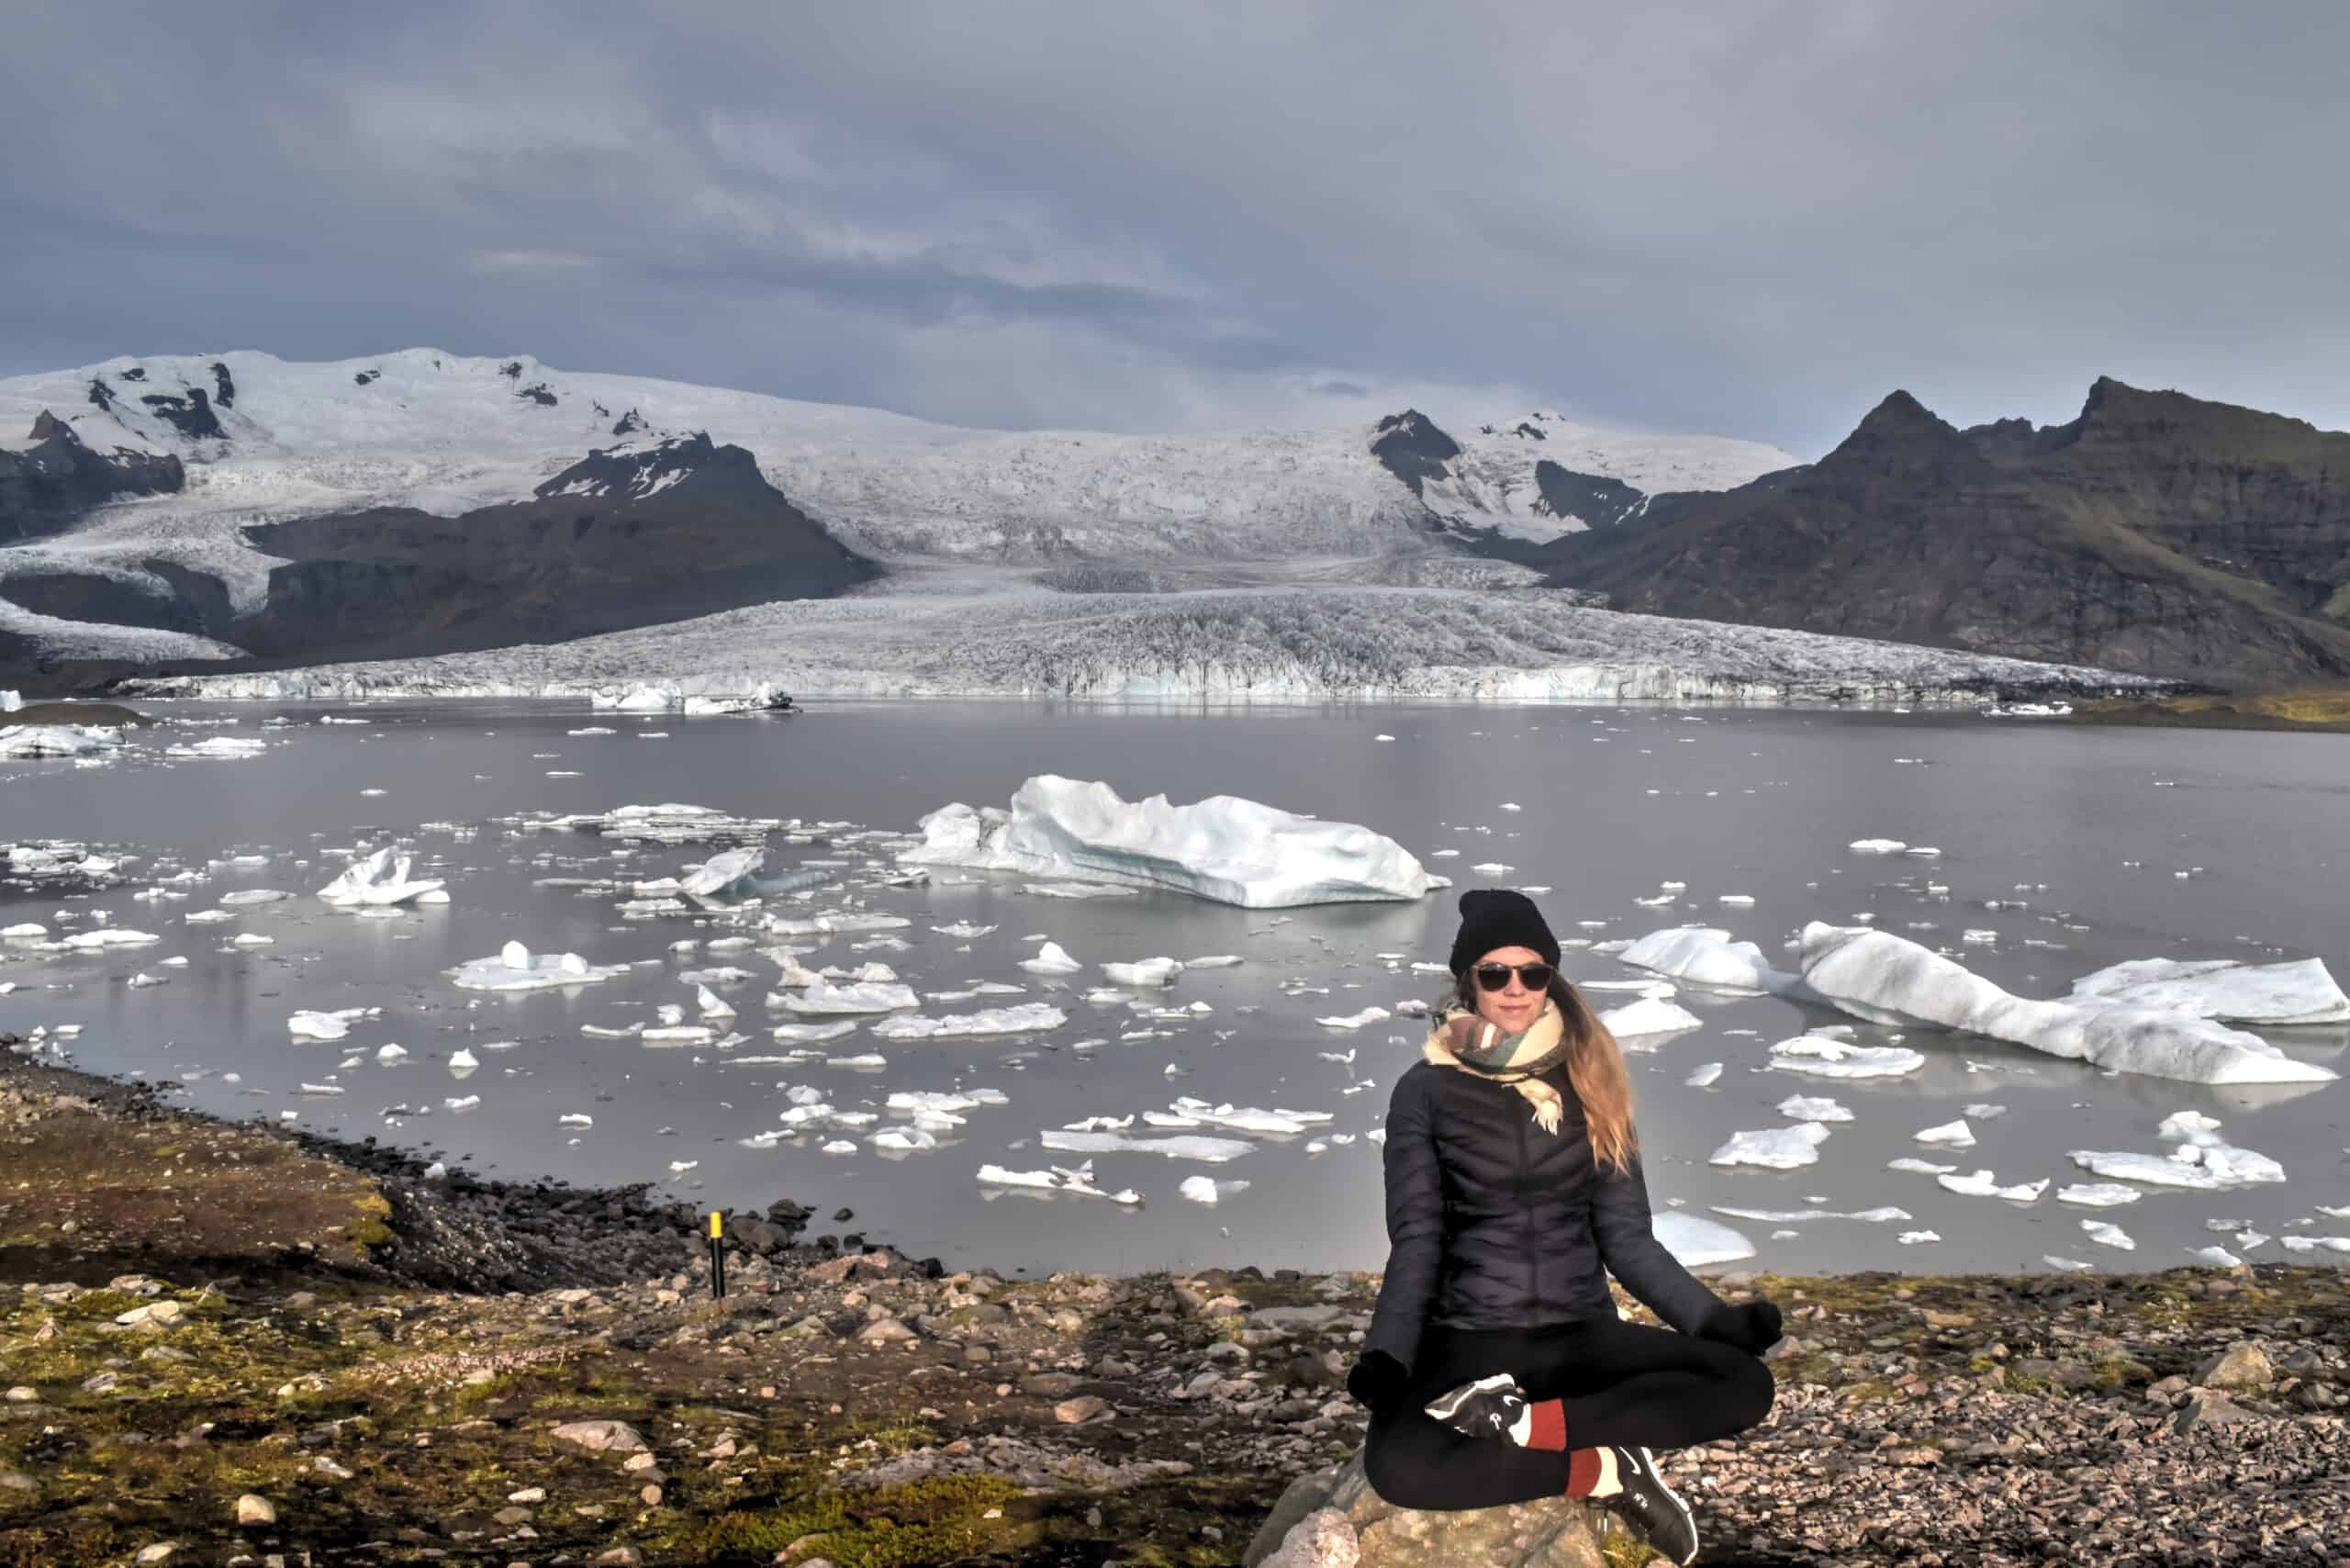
1494, 1223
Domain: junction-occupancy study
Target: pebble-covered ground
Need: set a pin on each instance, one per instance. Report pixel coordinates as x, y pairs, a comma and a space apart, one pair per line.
213, 1368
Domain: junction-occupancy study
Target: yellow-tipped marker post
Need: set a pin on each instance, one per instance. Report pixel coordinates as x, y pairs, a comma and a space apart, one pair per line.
717, 1253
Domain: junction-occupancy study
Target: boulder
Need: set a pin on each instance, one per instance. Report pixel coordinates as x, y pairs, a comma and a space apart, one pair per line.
601, 1436
1332, 1519
2245, 1365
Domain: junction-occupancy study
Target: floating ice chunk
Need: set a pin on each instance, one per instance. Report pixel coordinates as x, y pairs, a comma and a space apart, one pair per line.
1203, 1189
2098, 1195
463, 1062
867, 1061
516, 968
861, 997
390, 1054
1356, 1020
107, 936
712, 1004
833, 922
2106, 1235
1213, 961
1650, 1015
1179, 1146
2215, 1257
2313, 1243
321, 1088
1958, 1134
1781, 1148
1693, 1240
634, 699
461, 1102
1923, 1167
679, 1034
1889, 979
903, 1138
679, 1167
2071, 1265
1021, 1019
1979, 1184
232, 748
244, 896
1813, 1108
2221, 988
1917, 1237
24, 932
381, 879
1225, 848
1824, 1056
809, 1034
1705, 1075
1144, 971
721, 872
315, 1024
1877, 845
1052, 958
1799, 1216
1078, 890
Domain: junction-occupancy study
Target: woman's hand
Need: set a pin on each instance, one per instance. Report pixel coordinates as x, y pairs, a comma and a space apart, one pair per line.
1377, 1381
1751, 1326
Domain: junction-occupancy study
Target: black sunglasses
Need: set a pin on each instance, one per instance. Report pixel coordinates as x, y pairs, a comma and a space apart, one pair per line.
1493, 977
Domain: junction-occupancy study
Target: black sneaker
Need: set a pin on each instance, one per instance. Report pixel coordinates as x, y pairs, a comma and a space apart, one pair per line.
1654, 1510
1488, 1407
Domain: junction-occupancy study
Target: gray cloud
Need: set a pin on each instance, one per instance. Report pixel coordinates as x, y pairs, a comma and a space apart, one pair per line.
1754, 220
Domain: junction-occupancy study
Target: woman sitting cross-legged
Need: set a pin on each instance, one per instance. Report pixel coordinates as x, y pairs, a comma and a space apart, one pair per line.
1496, 1370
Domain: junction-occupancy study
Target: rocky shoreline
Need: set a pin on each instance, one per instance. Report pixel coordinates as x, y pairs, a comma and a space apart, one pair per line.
229, 1344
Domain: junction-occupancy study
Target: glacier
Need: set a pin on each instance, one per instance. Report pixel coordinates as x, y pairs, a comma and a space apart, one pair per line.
1224, 848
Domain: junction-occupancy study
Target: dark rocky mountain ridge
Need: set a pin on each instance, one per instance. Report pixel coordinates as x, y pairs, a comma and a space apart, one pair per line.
50, 484
2156, 532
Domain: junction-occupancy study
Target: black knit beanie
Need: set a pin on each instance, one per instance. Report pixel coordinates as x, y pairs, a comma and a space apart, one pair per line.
1500, 917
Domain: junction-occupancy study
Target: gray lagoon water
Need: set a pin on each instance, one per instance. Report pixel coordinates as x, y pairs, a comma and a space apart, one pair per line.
2066, 842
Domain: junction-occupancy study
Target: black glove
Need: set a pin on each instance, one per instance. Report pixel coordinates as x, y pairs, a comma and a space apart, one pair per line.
1378, 1381
1752, 1327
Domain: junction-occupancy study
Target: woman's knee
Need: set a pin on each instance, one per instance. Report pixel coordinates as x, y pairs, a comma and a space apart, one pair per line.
1405, 1473
1752, 1392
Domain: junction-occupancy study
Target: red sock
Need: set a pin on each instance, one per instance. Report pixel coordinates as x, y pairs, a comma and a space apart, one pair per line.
1549, 1425
1582, 1471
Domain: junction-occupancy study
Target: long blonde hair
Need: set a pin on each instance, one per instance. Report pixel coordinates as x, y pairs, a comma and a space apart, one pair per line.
1595, 1066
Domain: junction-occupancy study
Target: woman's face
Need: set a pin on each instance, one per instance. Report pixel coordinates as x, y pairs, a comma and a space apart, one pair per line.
1513, 1007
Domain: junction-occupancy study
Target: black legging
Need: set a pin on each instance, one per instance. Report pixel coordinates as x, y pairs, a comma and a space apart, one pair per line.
1618, 1383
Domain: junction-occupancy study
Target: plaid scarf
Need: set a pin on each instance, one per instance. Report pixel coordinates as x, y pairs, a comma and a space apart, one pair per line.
1465, 1040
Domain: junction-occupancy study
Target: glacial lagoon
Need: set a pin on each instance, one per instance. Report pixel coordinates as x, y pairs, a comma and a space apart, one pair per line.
2031, 853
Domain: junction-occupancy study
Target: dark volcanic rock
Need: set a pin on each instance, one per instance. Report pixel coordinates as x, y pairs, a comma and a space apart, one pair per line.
2156, 534
1600, 502
536, 392
628, 423
224, 386
1410, 446
47, 486
626, 537
189, 413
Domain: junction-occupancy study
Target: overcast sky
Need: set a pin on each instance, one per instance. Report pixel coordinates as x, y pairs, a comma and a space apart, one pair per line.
1744, 219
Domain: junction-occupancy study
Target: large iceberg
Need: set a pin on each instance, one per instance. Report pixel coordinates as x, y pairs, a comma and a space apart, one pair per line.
1225, 848
56, 740
380, 879
1889, 979
1703, 955
722, 871
2223, 989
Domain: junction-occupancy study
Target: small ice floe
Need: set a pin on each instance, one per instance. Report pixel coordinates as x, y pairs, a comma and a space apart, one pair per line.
1650, 1015
311, 1024
963, 930
208, 917
228, 748
2311, 1243
1980, 1184
712, 1004
612, 1032
463, 1062
461, 1103
1158, 972
2071, 1265
810, 1033
592, 730
1705, 1077
2202, 1160
244, 896
1225, 848
1023, 1018
1693, 1240
321, 1088
1984, 1111
1957, 1135
1918, 1238
1207, 1189
387, 1055
382, 878
252, 939
1191, 1111
2221, 988
1051, 959
1178, 1145
142, 979
1100, 1124
869, 1061
722, 873
1078, 890
106, 936
1824, 1056
1059, 1178
1357, 1020
860, 997
679, 1167
1813, 1108
1780, 1148
833, 923
1887, 978
2098, 1195
574, 1119
516, 968
1876, 846
25, 930
904, 1140
1492, 868
2108, 1235
2215, 1257
678, 1035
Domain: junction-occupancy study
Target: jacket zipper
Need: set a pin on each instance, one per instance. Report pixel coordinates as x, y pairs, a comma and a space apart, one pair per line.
1525, 1214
